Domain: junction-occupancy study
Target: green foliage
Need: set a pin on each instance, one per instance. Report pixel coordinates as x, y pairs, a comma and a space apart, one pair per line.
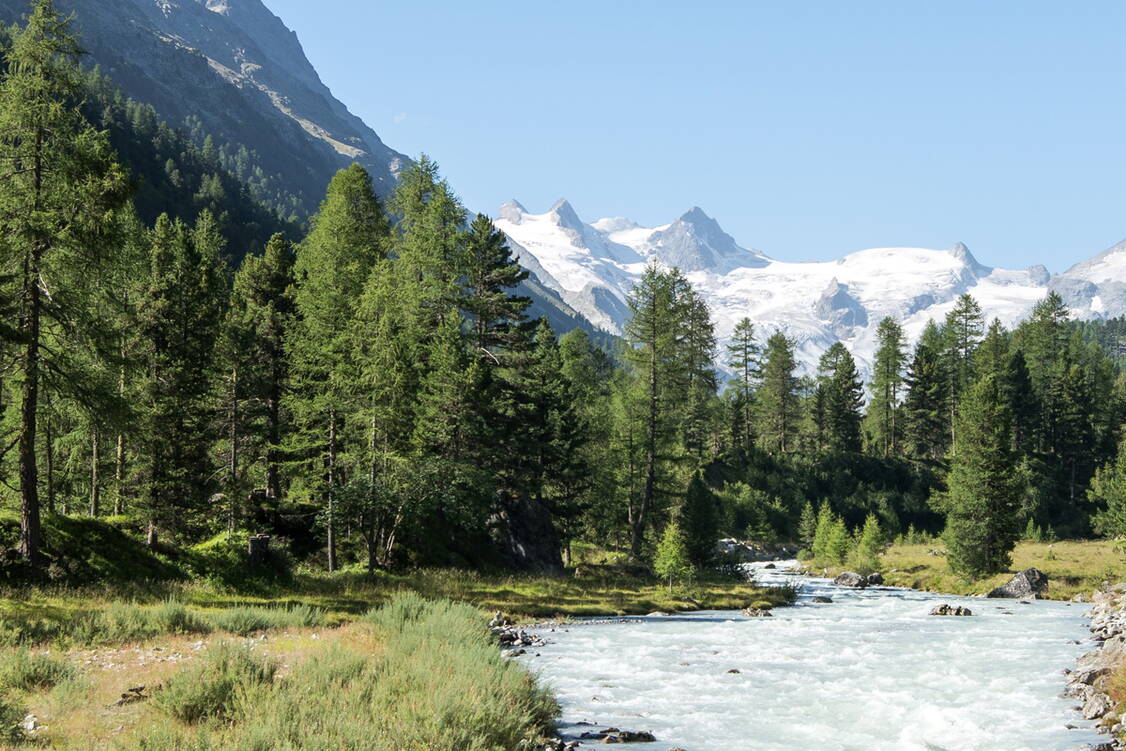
983, 501
11, 715
247, 620
807, 525
864, 558
210, 686
777, 402
1108, 492
699, 522
672, 561
23, 670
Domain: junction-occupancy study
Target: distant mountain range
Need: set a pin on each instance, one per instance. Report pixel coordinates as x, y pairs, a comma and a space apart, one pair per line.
594, 266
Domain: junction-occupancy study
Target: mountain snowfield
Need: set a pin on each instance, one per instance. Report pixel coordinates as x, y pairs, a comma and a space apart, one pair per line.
594, 266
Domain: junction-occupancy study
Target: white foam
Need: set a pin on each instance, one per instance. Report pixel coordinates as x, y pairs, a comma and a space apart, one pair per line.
872, 671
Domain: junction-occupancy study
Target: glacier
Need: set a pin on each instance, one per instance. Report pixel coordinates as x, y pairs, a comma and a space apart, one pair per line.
594, 266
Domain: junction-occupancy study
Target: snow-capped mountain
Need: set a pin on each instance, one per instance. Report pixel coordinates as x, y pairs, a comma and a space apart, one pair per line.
594, 266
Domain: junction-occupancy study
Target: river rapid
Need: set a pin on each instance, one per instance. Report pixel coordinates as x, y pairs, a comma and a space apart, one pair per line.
871, 671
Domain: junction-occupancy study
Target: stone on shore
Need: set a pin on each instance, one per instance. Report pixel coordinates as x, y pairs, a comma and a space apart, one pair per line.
1028, 583
851, 579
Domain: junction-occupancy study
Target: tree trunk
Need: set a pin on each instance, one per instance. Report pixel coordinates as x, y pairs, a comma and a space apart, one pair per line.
119, 475
95, 475
232, 466
331, 496
273, 428
29, 394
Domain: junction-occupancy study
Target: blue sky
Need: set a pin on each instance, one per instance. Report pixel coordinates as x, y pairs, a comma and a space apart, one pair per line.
808, 129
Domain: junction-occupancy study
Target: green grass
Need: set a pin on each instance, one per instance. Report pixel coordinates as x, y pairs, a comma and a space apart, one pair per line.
415, 675
1073, 567
210, 687
21, 670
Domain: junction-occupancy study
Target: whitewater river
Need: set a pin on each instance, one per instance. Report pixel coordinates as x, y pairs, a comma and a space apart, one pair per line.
871, 671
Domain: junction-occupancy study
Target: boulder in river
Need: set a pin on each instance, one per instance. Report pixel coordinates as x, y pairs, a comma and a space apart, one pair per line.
757, 613
947, 609
822, 599
1028, 583
851, 579
875, 579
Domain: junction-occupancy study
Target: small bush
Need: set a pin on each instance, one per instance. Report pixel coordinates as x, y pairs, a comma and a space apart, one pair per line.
208, 688
11, 714
172, 617
23, 671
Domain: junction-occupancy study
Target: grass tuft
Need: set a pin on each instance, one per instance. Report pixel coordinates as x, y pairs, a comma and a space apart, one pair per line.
208, 688
22, 670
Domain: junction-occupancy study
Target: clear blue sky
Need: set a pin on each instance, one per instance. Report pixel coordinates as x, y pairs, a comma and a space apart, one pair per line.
808, 129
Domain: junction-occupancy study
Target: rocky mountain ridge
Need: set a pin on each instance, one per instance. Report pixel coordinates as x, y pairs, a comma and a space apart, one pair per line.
593, 266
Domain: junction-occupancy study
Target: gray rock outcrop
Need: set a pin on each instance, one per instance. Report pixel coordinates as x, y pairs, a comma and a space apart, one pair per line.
1030, 583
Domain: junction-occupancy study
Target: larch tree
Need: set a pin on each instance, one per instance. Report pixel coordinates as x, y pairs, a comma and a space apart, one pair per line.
59, 185
777, 406
884, 423
743, 354
349, 237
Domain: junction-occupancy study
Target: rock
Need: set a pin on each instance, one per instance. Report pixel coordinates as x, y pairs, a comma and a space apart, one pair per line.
875, 579
734, 670
822, 599
656, 614
626, 736
30, 723
1088, 676
1097, 706
946, 609
769, 566
757, 613
851, 579
1028, 583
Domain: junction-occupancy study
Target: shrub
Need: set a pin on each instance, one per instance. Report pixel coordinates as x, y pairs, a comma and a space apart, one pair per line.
24, 671
171, 617
208, 688
11, 714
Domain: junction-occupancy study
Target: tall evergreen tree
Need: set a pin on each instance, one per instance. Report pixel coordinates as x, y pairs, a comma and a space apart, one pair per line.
256, 367
983, 501
57, 188
180, 319
777, 407
348, 238
843, 398
496, 315
884, 423
925, 405
963, 331
699, 522
743, 359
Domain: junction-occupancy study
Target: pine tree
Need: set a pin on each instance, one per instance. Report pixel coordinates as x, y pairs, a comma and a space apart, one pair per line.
656, 333
807, 525
59, 184
983, 501
924, 407
777, 400
865, 557
496, 315
963, 331
699, 522
181, 314
1108, 494
672, 560
447, 418
255, 364
743, 360
887, 387
843, 398
347, 240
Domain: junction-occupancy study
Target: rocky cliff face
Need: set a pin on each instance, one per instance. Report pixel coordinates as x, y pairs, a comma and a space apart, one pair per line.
234, 65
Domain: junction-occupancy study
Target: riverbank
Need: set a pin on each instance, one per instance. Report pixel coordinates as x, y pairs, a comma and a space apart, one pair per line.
1098, 682
1074, 568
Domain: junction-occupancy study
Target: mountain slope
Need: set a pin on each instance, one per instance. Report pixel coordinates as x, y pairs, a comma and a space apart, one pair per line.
236, 68
594, 266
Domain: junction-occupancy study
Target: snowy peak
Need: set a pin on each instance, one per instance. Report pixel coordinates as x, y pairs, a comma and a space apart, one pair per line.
696, 242
512, 211
565, 216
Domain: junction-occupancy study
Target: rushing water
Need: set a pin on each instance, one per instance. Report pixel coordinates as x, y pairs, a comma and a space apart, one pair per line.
872, 671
